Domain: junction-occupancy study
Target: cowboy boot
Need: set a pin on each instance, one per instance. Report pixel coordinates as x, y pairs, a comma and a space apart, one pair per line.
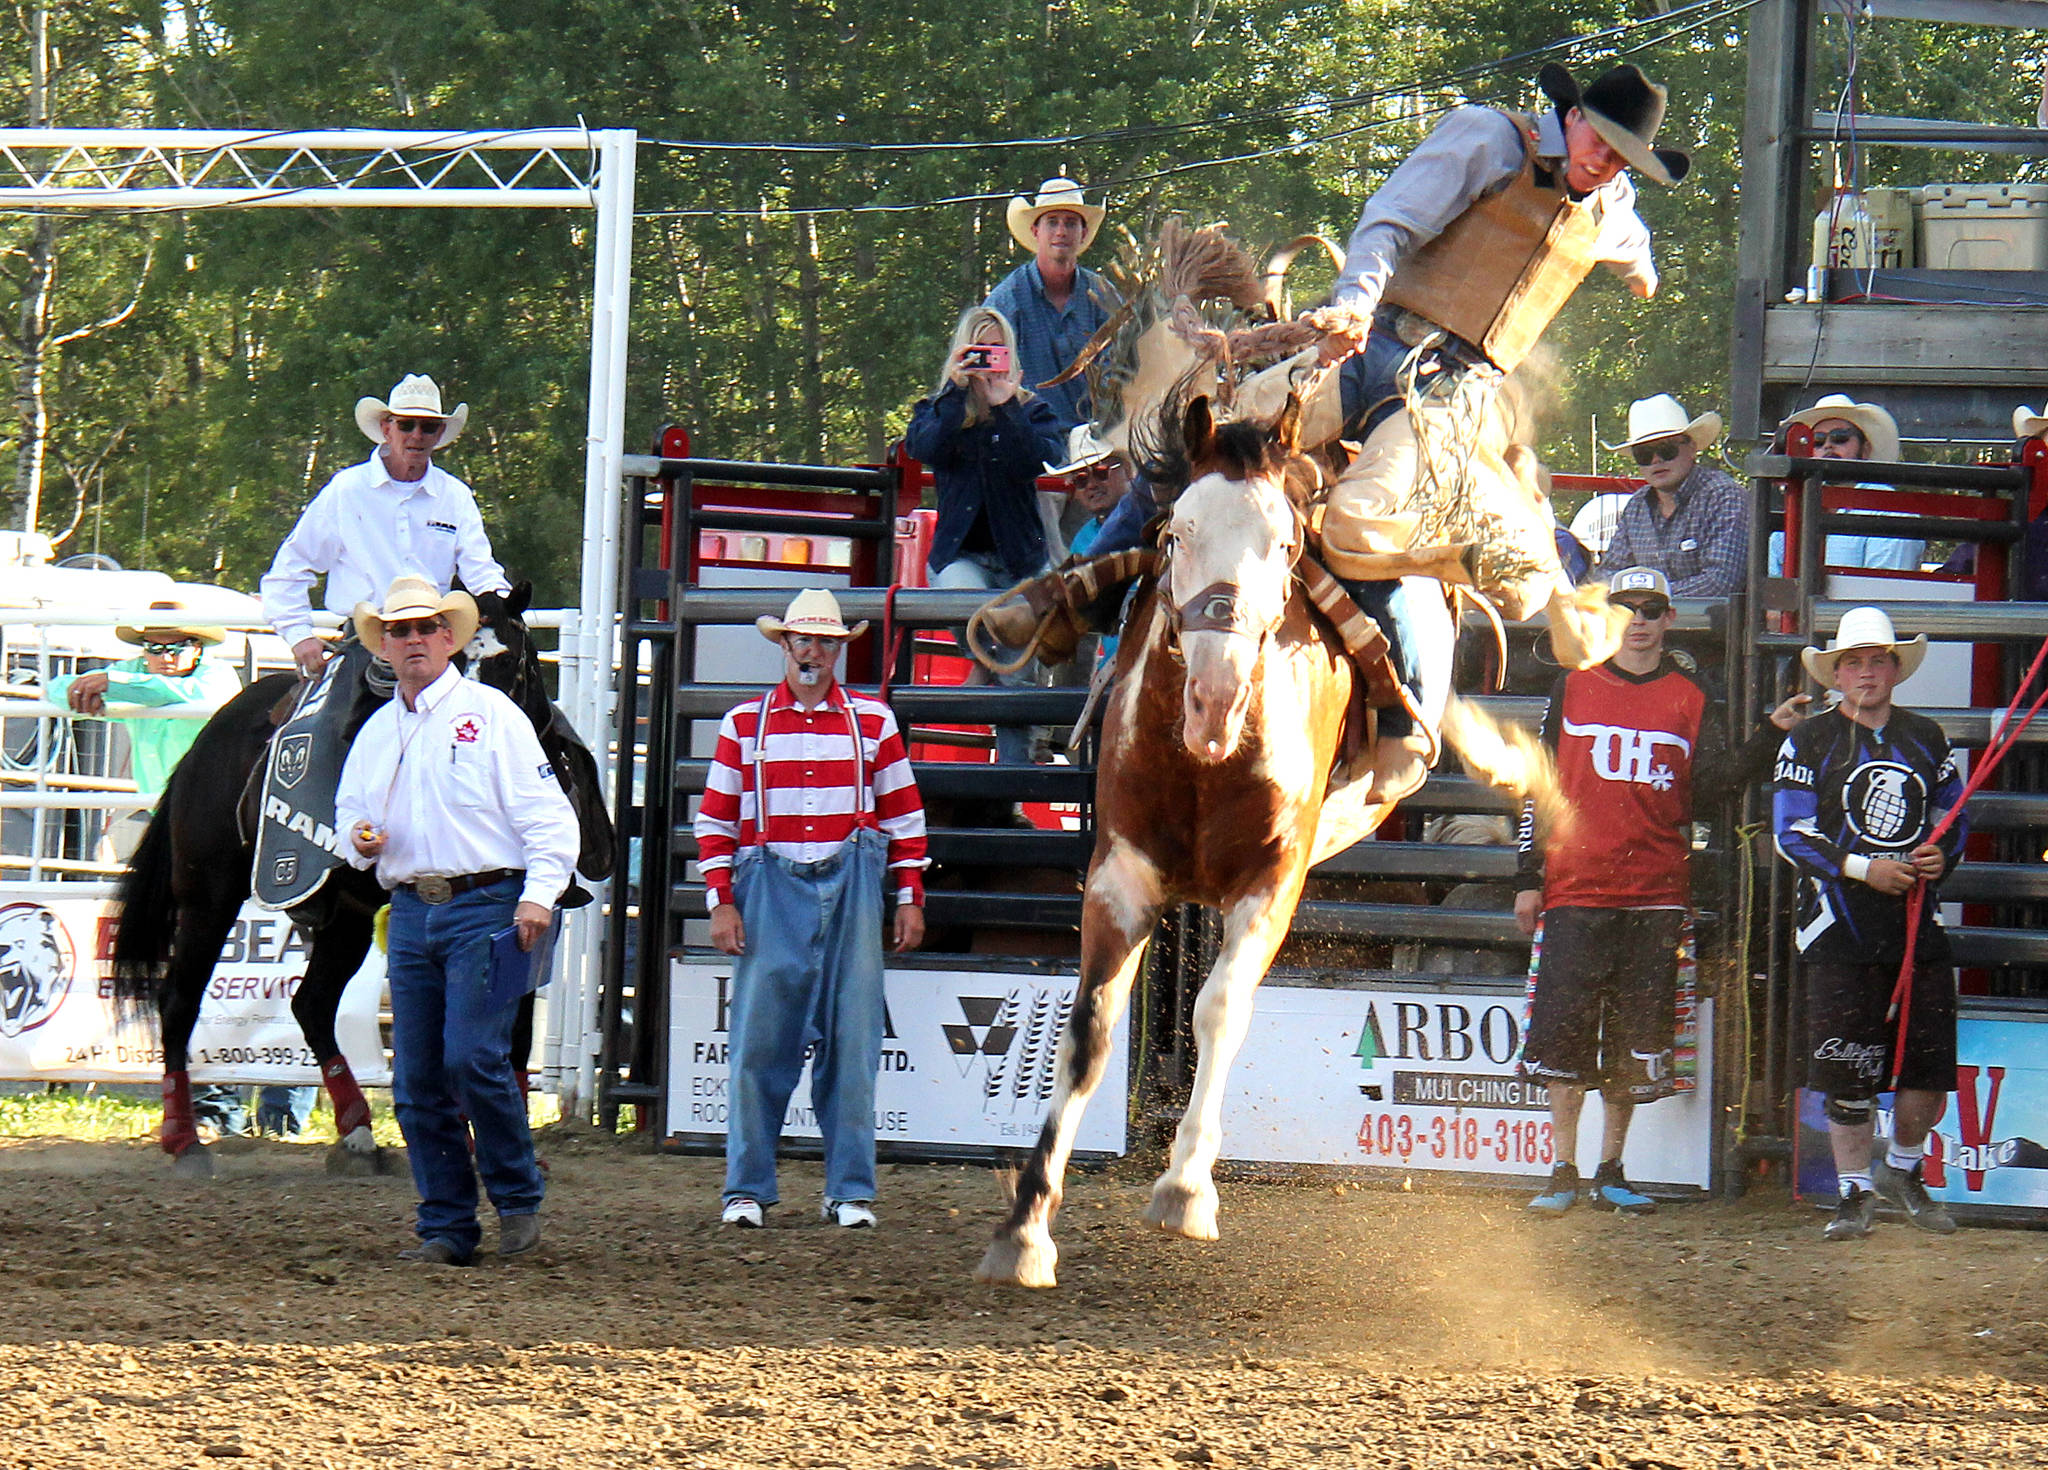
1015, 617
1062, 606
1400, 764
1454, 563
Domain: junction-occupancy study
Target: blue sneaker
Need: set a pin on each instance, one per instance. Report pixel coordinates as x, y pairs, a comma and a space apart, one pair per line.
1612, 1192
1560, 1194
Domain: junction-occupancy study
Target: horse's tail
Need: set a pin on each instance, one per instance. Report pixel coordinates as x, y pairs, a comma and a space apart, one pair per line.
145, 915
1507, 757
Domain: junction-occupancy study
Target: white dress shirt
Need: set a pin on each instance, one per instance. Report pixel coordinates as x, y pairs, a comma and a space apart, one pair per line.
365, 530
1472, 153
458, 784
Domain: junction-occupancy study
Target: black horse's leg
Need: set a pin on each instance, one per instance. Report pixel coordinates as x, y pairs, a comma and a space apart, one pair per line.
203, 925
338, 948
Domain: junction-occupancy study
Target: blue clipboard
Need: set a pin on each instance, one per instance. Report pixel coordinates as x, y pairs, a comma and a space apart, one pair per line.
511, 972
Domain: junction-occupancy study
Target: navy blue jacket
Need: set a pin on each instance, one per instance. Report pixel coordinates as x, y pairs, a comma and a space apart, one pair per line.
991, 466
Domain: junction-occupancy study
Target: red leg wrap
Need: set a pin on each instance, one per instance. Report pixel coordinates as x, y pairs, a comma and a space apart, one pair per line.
351, 1111
180, 1129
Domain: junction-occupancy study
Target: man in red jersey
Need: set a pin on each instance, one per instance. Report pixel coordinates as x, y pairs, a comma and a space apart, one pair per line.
808, 805
1636, 745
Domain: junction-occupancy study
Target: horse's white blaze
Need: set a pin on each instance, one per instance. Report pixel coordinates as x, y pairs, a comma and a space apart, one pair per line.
485, 644
1237, 534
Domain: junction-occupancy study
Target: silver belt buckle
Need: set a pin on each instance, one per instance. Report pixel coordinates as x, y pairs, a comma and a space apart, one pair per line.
433, 888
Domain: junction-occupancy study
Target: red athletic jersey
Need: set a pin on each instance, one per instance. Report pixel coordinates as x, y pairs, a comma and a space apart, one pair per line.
1627, 748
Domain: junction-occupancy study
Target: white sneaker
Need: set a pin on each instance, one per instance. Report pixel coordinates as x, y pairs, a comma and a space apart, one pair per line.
745, 1213
849, 1214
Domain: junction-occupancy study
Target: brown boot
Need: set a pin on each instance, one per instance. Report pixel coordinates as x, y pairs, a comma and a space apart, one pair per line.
1399, 767
1014, 617
1455, 563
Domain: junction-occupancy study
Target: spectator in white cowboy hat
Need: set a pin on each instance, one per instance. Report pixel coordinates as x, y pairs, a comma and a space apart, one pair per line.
448, 795
1690, 521
809, 811
1859, 791
1845, 429
1055, 302
393, 514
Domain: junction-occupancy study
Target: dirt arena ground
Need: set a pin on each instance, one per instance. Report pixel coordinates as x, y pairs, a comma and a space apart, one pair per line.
260, 1318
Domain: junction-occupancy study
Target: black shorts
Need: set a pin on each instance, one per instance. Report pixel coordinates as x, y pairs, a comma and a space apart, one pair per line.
1606, 1008
1849, 1041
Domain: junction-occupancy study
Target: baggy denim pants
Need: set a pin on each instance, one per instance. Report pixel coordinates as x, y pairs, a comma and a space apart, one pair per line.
812, 975
451, 1055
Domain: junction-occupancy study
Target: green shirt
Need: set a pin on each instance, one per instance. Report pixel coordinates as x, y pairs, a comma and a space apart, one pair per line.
160, 744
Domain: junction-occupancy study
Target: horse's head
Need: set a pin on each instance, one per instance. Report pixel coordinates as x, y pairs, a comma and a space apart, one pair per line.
1232, 541
502, 653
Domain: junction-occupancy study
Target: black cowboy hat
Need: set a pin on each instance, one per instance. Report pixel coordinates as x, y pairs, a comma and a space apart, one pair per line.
1625, 108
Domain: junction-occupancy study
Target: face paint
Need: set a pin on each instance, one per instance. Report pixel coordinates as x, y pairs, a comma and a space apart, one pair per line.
808, 674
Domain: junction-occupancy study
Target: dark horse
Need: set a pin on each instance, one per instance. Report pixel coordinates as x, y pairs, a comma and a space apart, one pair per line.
191, 874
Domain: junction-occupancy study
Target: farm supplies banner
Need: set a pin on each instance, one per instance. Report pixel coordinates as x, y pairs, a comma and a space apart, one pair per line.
1991, 1146
967, 1059
57, 1021
1425, 1080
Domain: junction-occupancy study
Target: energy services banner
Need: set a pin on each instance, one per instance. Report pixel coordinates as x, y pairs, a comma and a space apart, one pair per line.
57, 1020
967, 1060
1425, 1079
1991, 1146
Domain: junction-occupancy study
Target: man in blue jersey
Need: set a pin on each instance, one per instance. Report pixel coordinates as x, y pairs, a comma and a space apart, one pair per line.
1859, 792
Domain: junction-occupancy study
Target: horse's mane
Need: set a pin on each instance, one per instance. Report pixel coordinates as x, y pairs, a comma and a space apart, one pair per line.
1240, 448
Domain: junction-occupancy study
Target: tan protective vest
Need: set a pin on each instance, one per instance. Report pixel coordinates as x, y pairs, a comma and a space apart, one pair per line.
1502, 269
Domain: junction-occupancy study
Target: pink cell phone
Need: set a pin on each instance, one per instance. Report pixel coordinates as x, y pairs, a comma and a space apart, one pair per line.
987, 357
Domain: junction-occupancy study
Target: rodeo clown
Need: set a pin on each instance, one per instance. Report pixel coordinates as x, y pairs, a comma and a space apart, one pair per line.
809, 813
1458, 263
1859, 792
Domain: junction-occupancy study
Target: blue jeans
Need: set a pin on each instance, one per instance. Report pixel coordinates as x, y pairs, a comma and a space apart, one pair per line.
981, 569
451, 1057
811, 977
1421, 641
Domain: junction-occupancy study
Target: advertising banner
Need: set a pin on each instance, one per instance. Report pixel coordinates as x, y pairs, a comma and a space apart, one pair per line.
967, 1060
1425, 1080
58, 1022
1991, 1146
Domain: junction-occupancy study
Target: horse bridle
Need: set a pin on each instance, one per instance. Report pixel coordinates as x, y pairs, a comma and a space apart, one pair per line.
1220, 606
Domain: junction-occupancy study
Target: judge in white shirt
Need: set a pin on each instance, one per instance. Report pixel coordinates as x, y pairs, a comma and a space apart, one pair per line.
448, 794
393, 514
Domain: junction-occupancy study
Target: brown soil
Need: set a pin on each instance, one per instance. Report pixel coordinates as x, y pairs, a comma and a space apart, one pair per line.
260, 1318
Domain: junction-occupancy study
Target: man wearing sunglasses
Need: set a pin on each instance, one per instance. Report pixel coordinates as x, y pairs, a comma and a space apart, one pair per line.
1639, 748
1689, 521
1845, 429
396, 514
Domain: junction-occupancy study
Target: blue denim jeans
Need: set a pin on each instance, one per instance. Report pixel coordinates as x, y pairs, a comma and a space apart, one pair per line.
978, 569
811, 977
452, 1057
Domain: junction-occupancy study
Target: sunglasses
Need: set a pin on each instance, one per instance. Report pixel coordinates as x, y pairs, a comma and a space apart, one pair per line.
1102, 471
406, 627
1658, 453
1650, 609
165, 650
1838, 437
416, 426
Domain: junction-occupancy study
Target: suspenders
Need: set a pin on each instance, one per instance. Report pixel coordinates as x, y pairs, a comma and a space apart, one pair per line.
860, 769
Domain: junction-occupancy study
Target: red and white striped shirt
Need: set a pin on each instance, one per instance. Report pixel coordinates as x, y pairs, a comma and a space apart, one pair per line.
820, 788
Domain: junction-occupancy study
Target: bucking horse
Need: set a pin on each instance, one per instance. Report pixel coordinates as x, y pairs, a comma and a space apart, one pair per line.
190, 876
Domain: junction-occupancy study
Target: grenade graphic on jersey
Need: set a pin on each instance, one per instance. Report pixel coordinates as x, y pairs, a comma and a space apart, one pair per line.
1886, 803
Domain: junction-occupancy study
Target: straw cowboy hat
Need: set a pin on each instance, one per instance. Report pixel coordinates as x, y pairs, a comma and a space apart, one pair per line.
170, 630
416, 597
1663, 417
1083, 450
2026, 423
1625, 108
1055, 193
814, 611
1862, 627
416, 397
1879, 429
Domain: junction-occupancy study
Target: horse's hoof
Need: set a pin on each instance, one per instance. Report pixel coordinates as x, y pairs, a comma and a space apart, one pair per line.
359, 1140
1024, 1259
1182, 1209
195, 1162
347, 1163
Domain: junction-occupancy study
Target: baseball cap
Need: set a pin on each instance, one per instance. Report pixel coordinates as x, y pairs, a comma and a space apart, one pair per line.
1638, 581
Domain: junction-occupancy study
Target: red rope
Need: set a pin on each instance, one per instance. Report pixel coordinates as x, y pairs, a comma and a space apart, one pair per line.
892, 638
1916, 900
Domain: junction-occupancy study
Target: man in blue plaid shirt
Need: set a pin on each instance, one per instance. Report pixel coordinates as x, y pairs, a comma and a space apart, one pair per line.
1690, 522
1055, 303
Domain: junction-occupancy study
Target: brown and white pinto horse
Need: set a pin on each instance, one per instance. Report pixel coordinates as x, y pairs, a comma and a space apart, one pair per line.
1218, 742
